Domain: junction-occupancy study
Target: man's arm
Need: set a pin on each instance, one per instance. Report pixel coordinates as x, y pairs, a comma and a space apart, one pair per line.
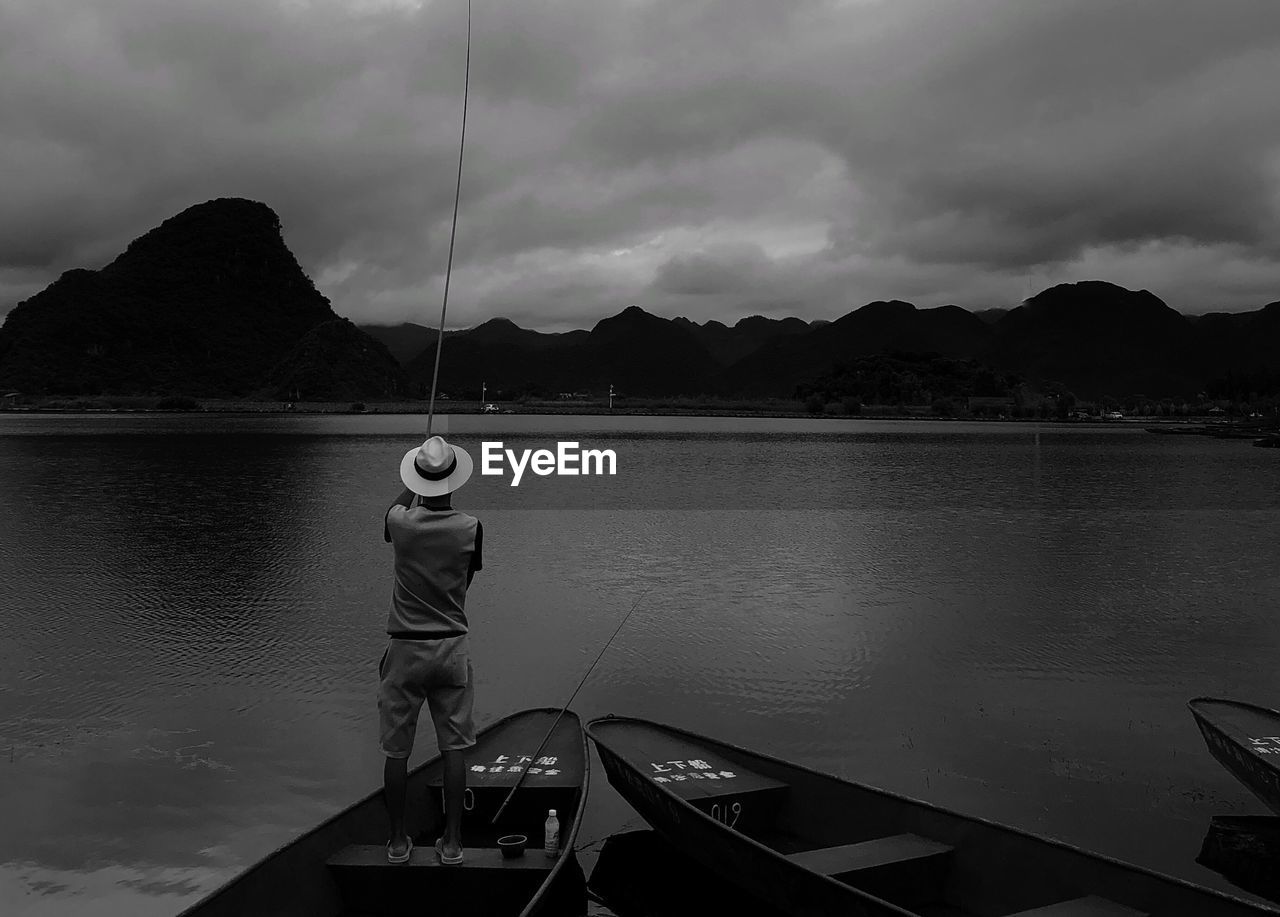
405, 498
477, 556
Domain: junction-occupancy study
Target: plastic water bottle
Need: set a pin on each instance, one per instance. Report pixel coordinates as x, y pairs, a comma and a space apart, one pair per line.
551, 842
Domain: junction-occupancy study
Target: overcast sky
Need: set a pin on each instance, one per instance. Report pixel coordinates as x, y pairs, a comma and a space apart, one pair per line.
707, 158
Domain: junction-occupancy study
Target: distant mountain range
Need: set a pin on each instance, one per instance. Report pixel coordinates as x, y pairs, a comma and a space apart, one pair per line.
1093, 337
212, 303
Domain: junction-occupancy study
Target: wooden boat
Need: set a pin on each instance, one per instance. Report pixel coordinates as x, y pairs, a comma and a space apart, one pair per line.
1245, 739
622, 879
1245, 850
341, 866
812, 844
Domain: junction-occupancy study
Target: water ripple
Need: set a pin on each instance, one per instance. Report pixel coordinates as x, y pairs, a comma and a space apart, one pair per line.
998, 618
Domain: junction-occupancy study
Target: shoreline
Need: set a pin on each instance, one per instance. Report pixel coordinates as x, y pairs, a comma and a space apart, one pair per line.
1189, 424
1204, 424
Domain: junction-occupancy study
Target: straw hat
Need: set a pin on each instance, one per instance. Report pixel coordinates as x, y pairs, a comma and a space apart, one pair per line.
435, 468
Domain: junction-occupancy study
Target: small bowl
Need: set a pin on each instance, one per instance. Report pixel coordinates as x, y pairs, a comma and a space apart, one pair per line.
512, 845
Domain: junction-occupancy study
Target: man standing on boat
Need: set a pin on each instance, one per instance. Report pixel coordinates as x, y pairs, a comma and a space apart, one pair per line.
437, 552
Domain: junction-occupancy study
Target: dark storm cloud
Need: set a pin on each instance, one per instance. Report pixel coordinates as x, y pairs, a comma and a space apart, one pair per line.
1099, 124
700, 158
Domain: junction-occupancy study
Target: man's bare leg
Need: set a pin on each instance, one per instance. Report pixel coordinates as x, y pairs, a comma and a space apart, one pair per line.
455, 787
395, 784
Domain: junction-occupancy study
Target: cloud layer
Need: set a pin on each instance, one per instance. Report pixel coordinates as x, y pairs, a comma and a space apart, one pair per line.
711, 159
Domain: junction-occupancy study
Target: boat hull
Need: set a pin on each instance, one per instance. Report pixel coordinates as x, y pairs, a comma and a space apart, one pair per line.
339, 866
734, 857
623, 880
782, 847
1244, 739
1245, 849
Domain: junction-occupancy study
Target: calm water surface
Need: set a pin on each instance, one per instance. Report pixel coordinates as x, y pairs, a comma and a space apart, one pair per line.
1004, 619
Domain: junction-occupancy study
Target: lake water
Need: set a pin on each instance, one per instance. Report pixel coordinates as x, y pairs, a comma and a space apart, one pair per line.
1005, 619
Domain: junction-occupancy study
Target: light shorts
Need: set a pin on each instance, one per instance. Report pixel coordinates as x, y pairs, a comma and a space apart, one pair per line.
437, 672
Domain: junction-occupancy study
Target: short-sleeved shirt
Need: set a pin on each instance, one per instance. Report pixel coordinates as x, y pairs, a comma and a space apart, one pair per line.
436, 554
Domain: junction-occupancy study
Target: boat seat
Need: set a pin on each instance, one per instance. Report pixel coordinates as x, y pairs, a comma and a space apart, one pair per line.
1090, 906
903, 868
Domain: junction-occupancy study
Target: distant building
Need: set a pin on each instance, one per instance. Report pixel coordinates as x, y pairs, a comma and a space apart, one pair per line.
11, 399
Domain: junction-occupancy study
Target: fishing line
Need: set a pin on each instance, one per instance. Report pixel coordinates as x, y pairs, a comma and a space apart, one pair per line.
556, 721
457, 193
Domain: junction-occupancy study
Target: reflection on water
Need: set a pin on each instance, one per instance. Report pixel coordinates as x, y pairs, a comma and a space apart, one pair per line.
996, 618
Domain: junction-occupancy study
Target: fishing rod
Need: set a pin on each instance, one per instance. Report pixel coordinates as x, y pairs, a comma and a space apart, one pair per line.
457, 193
556, 721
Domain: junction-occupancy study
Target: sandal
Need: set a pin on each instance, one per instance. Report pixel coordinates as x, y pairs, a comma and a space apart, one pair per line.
402, 858
448, 861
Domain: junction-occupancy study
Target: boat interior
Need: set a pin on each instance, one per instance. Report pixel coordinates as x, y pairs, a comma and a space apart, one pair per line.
924, 860
485, 882
622, 878
341, 868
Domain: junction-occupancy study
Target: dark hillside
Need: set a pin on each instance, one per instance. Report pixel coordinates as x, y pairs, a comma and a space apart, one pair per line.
729, 345
1097, 338
878, 327
205, 304
336, 361
404, 341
